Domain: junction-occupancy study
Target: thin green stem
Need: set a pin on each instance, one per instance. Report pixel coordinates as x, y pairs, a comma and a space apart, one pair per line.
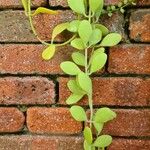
32, 26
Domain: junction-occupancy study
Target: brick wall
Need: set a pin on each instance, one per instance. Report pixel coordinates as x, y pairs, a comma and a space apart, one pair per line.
33, 113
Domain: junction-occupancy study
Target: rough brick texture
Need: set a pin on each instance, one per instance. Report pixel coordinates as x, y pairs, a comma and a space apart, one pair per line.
140, 25
113, 91
18, 24
33, 112
131, 58
52, 120
18, 4
27, 59
27, 142
33, 90
11, 120
107, 2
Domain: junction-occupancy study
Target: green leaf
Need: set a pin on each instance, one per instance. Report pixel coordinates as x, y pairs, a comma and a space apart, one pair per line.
98, 61
104, 30
95, 37
98, 127
70, 68
85, 31
96, 4
88, 135
78, 44
78, 113
78, 58
87, 146
74, 87
77, 6
49, 52
103, 141
59, 28
111, 39
25, 6
74, 98
73, 26
99, 50
44, 10
104, 115
99, 10
85, 82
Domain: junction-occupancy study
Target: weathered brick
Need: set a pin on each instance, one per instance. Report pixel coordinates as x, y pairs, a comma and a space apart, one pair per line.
28, 90
28, 142
63, 3
129, 144
18, 4
113, 91
18, 24
52, 120
140, 25
129, 123
132, 58
26, 59
11, 120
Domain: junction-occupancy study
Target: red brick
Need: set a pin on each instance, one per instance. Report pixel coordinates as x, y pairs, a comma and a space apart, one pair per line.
140, 25
18, 4
28, 90
52, 120
133, 58
26, 142
26, 59
18, 24
107, 2
11, 120
129, 123
113, 91
129, 144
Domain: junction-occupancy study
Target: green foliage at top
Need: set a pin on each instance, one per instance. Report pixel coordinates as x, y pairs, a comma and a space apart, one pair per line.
90, 40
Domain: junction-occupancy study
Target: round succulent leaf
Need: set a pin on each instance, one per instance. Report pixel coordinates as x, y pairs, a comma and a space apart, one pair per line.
104, 115
78, 58
85, 31
73, 26
78, 113
78, 44
111, 39
49, 52
103, 141
104, 30
77, 6
70, 68
95, 5
98, 127
88, 135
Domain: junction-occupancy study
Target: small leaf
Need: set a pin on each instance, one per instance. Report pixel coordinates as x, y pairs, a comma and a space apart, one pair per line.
95, 37
73, 26
74, 87
104, 30
85, 82
59, 28
104, 115
78, 58
70, 68
111, 39
78, 113
103, 141
96, 4
98, 61
78, 44
77, 6
25, 6
85, 31
98, 127
99, 10
87, 146
74, 98
44, 10
99, 50
49, 52
88, 135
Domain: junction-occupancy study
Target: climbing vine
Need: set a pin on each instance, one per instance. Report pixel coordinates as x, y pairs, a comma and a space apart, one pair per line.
90, 40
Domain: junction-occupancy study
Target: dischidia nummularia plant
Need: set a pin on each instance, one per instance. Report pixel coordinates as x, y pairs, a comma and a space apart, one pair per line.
90, 38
